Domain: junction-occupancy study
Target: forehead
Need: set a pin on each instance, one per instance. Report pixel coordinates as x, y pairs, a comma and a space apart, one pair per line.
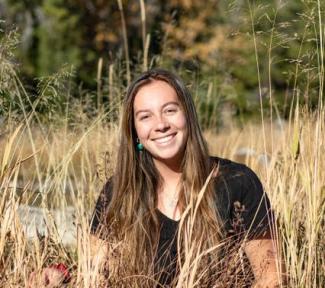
153, 95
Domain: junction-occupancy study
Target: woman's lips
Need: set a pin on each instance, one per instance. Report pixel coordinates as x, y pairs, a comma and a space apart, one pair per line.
165, 139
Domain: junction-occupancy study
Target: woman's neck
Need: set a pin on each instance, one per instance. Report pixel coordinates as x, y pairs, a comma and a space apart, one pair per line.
170, 173
168, 192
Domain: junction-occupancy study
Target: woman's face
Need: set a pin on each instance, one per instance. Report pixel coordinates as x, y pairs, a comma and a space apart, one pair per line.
160, 121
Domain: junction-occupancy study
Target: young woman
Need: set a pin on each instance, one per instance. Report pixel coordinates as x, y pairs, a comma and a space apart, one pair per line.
169, 202
171, 214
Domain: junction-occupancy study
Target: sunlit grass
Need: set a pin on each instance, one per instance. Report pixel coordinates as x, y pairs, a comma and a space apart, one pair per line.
73, 165
62, 165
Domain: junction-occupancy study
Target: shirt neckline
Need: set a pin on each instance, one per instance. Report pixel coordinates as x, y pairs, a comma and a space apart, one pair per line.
167, 218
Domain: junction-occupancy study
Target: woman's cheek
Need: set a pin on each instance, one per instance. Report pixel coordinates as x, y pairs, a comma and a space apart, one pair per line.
143, 130
181, 121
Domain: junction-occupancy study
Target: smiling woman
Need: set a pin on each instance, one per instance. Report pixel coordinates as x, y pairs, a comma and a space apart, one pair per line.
172, 215
149, 203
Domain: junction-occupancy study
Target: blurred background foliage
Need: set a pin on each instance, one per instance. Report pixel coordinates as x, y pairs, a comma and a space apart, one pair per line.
231, 53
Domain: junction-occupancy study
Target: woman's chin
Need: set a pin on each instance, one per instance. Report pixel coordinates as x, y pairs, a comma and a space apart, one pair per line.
168, 158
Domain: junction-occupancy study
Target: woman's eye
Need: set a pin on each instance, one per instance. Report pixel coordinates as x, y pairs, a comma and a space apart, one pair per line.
144, 117
171, 111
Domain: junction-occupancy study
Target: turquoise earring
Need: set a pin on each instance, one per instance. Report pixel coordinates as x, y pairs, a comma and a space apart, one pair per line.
139, 145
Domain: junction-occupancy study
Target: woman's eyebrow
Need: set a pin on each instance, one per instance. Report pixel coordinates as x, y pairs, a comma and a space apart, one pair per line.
163, 106
171, 102
141, 111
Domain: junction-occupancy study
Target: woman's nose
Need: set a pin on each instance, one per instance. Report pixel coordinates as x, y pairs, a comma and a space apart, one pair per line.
162, 124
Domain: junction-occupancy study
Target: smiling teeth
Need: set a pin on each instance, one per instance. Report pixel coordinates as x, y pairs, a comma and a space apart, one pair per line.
164, 140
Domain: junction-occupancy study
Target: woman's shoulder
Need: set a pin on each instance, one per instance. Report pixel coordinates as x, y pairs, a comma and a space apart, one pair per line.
105, 196
236, 179
228, 168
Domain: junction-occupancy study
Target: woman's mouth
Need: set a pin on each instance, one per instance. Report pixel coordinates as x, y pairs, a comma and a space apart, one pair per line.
165, 139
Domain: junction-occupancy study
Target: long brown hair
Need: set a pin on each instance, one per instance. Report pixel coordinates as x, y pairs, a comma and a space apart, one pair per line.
136, 179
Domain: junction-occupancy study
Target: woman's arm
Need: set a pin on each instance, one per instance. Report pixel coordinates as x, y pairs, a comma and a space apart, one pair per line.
98, 251
265, 262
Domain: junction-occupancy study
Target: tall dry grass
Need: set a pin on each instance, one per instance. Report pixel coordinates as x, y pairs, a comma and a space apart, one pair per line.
73, 165
55, 167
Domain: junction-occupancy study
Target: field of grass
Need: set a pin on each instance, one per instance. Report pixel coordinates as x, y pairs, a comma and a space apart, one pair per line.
55, 168
55, 163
